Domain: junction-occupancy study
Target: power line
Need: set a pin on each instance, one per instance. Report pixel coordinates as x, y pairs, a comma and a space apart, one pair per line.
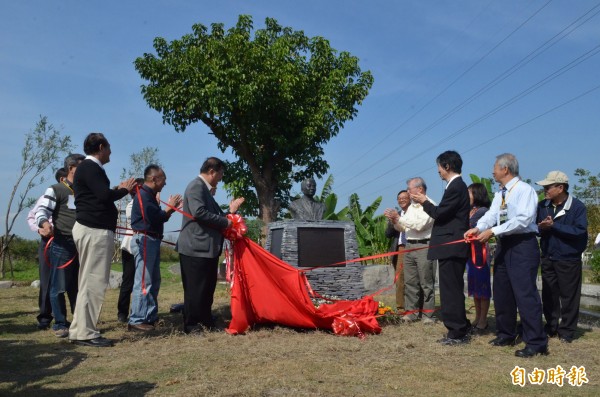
512, 129
425, 130
582, 58
350, 166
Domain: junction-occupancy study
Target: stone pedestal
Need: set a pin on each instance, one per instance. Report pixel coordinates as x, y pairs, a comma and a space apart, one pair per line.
317, 243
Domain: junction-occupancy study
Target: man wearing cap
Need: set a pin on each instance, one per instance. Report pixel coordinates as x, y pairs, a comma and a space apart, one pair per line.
562, 223
511, 218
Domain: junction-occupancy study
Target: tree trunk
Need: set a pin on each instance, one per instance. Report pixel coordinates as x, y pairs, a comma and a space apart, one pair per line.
268, 208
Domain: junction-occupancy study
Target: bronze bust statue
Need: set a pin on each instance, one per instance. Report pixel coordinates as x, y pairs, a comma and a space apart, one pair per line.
306, 208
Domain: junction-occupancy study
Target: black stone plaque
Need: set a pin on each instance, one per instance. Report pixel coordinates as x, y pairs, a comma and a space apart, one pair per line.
276, 239
320, 246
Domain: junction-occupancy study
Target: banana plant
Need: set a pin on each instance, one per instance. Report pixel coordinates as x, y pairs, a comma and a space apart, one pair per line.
370, 229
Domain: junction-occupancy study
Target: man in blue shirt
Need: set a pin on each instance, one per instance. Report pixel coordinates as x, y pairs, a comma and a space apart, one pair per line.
147, 222
562, 221
511, 218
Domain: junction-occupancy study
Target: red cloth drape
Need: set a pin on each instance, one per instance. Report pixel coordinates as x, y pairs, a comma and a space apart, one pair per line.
267, 290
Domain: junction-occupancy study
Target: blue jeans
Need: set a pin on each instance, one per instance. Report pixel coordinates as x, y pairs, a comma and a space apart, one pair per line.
63, 280
144, 307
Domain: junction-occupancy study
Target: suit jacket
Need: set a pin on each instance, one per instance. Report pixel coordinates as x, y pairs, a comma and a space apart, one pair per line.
201, 237
451, 221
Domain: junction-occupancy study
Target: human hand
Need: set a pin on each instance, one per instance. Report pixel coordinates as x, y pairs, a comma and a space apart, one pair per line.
46, 230
485, 236
418, 198
235, 204
471, 233
128, 184
546, 223
175, 201
391, 214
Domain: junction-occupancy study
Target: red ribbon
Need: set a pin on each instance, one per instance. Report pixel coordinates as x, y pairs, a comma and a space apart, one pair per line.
237, 230
48, 260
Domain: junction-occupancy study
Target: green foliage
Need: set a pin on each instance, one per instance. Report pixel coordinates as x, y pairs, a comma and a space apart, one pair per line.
25, 271
370, 229
273, 96
24, 250
588, 191
168, 253
255, 228
330, 200
595, 266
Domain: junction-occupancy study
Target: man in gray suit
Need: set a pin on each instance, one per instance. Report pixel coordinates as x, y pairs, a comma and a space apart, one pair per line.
200, 243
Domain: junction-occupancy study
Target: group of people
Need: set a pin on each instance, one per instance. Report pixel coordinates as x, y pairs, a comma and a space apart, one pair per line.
424, 232
76, 219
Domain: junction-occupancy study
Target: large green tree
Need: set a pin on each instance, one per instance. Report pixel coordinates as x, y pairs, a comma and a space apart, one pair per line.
273, 96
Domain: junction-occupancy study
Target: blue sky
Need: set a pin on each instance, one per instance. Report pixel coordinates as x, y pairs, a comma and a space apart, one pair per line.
433, 64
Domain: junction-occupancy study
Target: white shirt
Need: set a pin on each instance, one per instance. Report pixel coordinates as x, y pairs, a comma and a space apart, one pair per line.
415, 222
126, 243
31, 215
95, 160
521, 201
450, 181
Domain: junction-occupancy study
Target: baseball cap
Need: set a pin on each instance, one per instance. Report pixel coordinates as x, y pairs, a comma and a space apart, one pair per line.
554, 177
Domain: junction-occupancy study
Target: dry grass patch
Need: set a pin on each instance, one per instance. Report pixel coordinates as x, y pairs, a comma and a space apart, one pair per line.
268, 361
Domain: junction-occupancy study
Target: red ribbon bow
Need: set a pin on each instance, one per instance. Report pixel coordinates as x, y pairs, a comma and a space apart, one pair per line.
238, 227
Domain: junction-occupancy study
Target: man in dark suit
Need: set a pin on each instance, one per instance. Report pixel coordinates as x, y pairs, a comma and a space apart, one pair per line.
200, 243
451, 222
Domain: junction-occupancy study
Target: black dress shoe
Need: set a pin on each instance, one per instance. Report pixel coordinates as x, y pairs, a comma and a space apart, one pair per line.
43, 326
96, 342
445, 341
122, 318
565, 339
529, 352
499, 341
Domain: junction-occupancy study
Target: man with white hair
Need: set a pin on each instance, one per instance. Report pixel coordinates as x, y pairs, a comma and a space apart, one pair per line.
511, 218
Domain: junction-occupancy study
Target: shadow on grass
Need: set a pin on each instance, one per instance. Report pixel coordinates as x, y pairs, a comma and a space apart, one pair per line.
12, 323
27, 368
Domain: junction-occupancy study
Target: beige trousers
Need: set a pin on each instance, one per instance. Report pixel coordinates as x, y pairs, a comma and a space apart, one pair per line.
96, 248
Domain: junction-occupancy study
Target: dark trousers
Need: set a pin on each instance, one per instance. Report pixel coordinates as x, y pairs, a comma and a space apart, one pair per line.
63, 279
452, 296
561, 295
515, 273
44, 318
127, 283
199, 277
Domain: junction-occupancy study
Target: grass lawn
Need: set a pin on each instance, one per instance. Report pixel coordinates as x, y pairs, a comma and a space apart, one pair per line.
269, 361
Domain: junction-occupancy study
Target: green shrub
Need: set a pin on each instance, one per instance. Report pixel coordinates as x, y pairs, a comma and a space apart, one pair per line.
595, 266
168, 253
24, 250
